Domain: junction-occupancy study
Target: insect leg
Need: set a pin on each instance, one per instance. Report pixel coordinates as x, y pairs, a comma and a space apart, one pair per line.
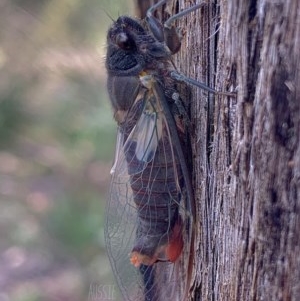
172, 34
154, 24
168, 23
183, 78
167, 32
155, 7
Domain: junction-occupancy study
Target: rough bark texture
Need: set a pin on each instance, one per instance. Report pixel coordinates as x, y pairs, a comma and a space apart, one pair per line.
246, 150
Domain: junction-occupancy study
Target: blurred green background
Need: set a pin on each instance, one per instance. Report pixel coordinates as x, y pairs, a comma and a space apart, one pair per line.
57, 138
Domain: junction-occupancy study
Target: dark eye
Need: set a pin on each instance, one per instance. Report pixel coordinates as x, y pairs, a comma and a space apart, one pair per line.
124, 41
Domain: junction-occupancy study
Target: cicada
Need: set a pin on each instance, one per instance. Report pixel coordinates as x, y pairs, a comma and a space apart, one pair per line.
150, 216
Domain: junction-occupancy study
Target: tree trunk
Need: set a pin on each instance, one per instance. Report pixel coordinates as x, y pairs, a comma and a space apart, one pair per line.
246, 149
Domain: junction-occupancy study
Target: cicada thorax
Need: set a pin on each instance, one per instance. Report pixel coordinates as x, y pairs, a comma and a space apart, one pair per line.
132, 50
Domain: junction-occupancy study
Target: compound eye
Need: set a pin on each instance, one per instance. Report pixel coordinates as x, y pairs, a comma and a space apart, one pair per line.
124, 41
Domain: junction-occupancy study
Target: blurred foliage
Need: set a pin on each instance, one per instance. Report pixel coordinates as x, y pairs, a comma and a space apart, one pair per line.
56, 146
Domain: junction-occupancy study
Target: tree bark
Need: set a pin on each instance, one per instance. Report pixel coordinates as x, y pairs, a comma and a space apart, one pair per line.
246, 149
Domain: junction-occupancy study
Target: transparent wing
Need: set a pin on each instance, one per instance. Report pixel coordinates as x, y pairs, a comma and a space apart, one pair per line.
146, 219
141, 141
147, 135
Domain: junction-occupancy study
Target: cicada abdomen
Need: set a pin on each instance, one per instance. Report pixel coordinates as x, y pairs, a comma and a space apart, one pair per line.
149, 227
155, 179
